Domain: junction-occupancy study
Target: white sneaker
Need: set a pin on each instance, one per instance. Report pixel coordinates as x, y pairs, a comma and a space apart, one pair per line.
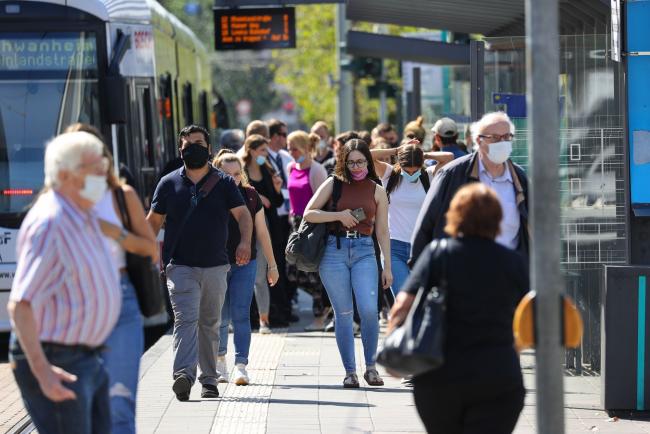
264, 329
222, 369
241, 376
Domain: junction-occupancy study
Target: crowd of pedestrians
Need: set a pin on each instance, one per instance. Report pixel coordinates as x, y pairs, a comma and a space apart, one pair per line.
227, 216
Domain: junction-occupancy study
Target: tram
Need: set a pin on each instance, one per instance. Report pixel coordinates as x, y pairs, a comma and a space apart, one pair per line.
128, 67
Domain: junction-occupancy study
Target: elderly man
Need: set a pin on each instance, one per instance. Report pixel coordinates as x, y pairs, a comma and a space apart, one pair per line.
65, 297
491, 165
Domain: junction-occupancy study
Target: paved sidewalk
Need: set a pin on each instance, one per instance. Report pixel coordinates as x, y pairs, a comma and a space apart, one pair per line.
11, 405
296, 388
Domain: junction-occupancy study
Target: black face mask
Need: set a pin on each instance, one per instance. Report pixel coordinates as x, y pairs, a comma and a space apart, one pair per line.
195, 155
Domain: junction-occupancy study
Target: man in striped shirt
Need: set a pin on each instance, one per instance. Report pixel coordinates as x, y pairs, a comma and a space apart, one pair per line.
65, 297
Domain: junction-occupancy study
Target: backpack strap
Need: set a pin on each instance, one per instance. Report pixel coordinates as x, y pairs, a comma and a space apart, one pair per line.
424, 179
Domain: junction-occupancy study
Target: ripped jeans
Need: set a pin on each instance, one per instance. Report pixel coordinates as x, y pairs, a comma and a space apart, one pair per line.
122, 361
352, 269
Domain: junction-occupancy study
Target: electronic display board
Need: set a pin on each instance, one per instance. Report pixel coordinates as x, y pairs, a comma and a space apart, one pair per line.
254, 29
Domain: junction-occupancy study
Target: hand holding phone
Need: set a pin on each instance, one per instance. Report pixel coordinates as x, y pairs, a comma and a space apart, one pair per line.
359, 214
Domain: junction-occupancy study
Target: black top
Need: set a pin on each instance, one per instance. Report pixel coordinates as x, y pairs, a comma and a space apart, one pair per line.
254, 204
486, 281
330, 165
202, 242
265, 188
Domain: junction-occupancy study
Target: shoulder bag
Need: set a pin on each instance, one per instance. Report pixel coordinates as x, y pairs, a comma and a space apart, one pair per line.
143, 273
417, 346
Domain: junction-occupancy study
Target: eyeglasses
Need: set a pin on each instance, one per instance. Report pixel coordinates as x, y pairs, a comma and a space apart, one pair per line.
358, 163
496, 137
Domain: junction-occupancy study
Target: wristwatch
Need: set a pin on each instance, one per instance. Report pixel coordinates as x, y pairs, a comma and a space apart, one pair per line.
123, 234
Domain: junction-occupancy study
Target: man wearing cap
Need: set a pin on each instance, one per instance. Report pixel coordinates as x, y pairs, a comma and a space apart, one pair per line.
445, 137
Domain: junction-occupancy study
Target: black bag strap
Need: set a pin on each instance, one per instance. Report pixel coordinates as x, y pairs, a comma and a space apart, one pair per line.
205, 190
337, 191
424, 179
393, 180
121, 204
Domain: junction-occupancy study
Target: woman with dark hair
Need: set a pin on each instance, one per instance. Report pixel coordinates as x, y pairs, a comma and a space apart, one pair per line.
126, 342
462, 396
349, 268
268, 184
406, 184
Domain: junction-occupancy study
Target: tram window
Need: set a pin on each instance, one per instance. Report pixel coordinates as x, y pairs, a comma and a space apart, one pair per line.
188, 109
203, 107
167, 115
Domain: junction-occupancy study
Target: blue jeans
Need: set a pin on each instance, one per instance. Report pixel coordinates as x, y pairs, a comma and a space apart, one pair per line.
352, 269
399, 256
88, 414
237, 308
122, 361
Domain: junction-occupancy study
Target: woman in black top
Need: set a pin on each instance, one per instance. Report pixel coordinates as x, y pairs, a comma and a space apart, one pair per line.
479, 389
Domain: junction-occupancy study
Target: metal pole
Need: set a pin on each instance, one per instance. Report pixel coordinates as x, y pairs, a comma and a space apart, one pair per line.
417, 92
542, 71
477, 73
383, 110
345, 100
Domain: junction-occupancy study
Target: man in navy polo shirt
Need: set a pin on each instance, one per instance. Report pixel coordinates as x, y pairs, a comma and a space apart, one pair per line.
195, 256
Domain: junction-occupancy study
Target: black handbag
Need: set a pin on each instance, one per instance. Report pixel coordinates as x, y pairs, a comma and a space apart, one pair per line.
417, 346
143, 273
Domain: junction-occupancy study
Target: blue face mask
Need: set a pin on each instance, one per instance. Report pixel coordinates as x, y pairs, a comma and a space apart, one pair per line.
411, 178
261, 159
300, 159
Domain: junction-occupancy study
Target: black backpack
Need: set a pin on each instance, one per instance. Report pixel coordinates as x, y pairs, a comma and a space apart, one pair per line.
306, 245
394, 179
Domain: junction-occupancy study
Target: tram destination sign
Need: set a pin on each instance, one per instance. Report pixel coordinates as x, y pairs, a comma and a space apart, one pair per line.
254, 28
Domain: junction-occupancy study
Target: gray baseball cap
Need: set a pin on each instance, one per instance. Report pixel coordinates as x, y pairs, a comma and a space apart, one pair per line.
445, 127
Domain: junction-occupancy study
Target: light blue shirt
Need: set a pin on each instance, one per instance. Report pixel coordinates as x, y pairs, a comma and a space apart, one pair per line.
505, 189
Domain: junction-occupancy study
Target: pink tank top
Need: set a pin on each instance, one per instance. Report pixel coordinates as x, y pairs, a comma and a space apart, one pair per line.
299, 190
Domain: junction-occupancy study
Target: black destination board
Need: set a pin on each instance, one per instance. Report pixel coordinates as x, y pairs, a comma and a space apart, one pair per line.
254, 29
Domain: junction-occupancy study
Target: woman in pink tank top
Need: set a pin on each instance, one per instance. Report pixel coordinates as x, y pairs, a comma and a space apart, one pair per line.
305, 176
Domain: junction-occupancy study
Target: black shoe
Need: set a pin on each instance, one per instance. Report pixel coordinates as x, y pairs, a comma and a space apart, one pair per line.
182, 387
209, 391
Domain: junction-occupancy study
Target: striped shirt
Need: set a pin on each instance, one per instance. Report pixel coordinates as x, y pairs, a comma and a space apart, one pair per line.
66, 273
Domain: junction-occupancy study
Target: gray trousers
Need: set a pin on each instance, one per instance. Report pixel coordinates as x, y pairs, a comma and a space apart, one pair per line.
197, 296
262, 293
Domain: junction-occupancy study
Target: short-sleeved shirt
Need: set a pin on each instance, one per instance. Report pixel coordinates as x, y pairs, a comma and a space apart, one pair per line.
254, 204
202, 242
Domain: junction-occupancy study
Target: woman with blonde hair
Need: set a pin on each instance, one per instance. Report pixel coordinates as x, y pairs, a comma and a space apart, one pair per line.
305, 176
323, 146
415, 130
241, 278
126, 342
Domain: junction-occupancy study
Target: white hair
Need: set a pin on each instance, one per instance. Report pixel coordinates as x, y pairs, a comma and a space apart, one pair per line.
490, 118
65, 152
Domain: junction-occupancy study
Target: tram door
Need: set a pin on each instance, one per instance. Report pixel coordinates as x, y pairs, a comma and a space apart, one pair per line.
144, 140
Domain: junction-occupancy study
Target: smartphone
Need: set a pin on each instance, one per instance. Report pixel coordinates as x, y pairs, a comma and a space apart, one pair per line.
359, 214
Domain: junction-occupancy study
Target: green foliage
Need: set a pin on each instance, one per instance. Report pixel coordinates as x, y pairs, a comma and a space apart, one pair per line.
306, 72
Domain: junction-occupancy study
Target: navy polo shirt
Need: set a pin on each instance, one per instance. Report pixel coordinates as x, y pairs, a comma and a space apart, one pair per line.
202, 242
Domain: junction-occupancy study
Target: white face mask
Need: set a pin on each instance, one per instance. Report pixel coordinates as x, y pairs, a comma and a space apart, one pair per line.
499, 152
95, 188
322, 145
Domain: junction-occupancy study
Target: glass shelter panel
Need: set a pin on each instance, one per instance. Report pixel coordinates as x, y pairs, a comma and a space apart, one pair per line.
592, 162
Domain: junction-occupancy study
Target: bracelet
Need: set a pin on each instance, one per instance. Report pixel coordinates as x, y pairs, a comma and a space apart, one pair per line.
274, 267
123, 234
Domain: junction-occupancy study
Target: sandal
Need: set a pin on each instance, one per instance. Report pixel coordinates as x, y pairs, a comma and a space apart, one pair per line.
351, 381
372, 378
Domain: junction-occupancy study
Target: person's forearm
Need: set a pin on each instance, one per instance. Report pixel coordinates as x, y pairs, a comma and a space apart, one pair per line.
320, 216
383, 238
132, 243
265, 241
245, 223
383, 153
439, 156
24, 323
154, 222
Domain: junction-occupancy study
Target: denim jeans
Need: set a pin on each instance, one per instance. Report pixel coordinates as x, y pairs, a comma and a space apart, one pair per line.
122, 361
347, 272
237, 308
399, 256
88, 414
